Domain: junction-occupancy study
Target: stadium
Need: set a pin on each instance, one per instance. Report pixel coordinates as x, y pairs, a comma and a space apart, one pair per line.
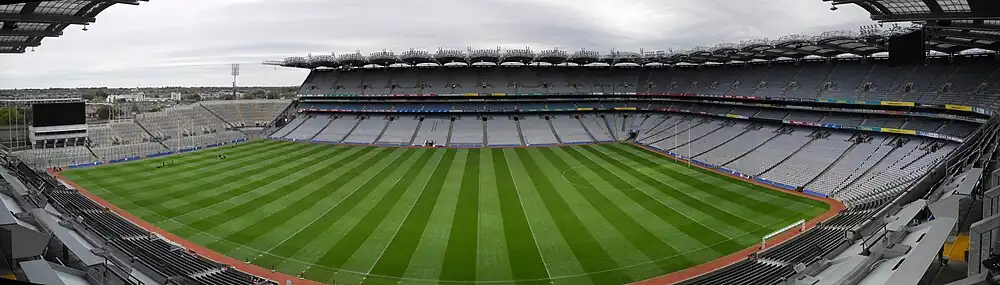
847, 157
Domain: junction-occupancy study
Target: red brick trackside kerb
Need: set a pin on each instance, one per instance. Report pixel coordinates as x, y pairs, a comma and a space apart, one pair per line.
278, 277
701, 269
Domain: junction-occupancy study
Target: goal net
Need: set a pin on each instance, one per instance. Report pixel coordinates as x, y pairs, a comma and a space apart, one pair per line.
801, 224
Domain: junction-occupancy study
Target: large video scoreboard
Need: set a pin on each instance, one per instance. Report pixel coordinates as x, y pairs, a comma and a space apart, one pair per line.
58, 114
58, 124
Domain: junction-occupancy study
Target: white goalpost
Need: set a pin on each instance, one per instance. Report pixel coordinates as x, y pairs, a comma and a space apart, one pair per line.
801, 224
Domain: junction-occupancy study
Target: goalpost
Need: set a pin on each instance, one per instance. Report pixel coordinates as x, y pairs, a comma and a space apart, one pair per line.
802, 227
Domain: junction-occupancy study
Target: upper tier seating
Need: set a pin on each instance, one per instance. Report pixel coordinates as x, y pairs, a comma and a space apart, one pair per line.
967, 81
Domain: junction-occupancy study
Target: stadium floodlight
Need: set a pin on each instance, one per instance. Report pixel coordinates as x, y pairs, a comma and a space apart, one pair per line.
235, 73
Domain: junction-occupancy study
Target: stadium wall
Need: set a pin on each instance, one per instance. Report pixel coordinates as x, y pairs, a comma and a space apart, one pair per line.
134, 158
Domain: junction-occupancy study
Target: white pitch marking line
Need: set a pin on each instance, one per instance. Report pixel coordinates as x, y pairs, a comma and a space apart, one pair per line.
686, 194
225, 201
479, 218
523, 211
329, 209
464, 282
450, 281
436, 165
195, 162
665, 204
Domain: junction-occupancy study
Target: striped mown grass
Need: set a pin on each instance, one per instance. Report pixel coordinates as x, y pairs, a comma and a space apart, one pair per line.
594, 214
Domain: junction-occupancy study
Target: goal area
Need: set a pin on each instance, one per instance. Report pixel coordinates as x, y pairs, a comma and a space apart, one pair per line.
801, 224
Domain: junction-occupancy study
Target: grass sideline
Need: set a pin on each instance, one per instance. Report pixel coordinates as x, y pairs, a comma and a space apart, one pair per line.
595, 214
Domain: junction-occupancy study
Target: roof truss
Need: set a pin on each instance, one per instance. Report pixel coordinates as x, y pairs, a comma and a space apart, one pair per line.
32, 21
16, 32
36, 18
894, 11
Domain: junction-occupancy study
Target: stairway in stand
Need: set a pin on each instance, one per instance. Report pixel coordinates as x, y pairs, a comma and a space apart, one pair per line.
553, 129
151, 134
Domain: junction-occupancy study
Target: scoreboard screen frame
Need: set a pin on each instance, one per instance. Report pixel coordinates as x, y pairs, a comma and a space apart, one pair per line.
58, 114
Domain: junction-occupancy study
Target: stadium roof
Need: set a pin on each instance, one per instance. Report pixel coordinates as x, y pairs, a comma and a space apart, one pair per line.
826, 45
973, 23
925, 10
24, 24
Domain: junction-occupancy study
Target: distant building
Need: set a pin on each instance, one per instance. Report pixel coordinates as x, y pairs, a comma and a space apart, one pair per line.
136, 97
141, 97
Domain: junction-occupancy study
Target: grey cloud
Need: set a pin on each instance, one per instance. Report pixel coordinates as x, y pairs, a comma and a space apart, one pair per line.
191, 42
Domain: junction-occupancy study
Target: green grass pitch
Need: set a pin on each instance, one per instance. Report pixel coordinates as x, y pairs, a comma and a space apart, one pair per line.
594, 214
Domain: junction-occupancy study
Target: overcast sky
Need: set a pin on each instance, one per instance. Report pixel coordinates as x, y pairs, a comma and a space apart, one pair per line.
192, 42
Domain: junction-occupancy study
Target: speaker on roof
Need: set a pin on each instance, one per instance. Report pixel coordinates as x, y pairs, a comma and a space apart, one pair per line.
907, 49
